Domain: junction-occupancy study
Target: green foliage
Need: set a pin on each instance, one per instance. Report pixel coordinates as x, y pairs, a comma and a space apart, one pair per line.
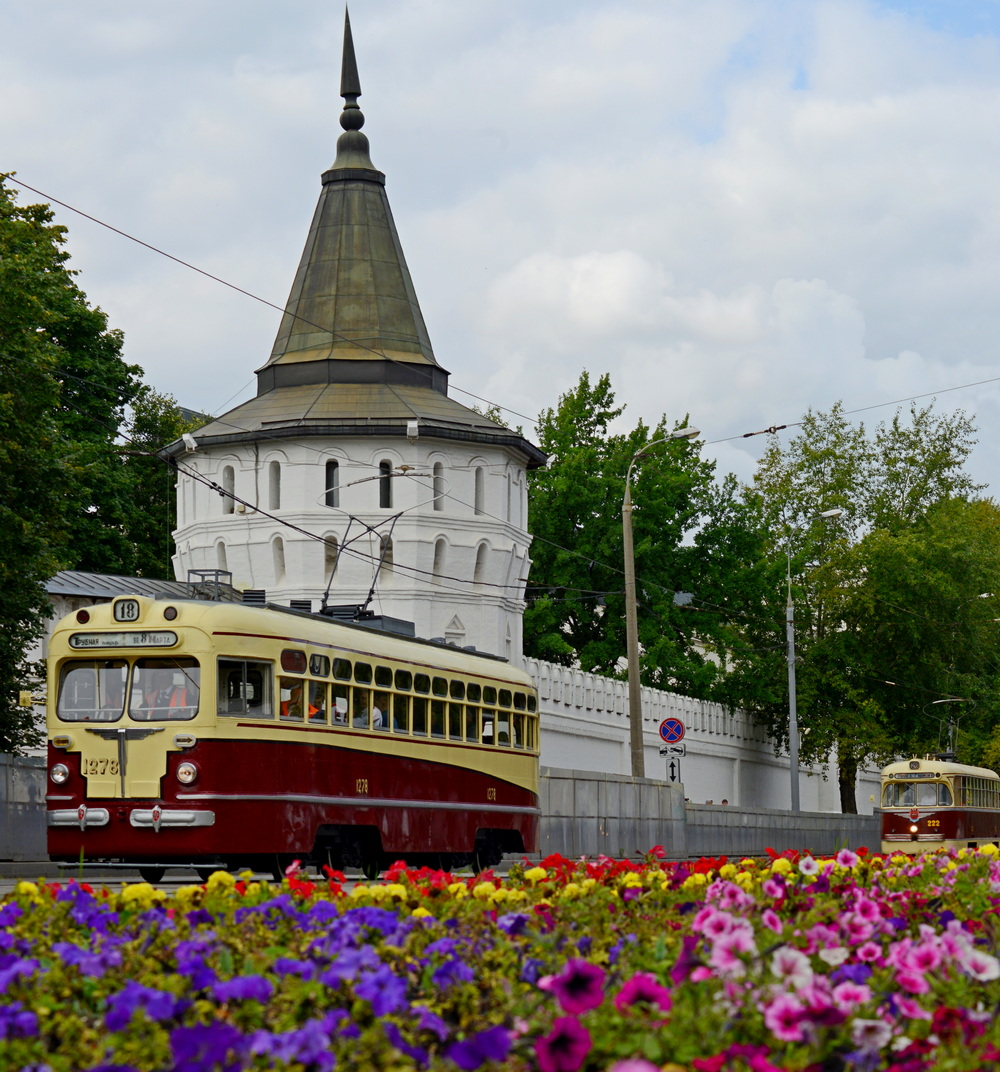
690, 533
888, 615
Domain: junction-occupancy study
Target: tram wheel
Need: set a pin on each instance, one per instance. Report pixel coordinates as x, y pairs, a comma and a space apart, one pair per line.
152, 875
371, 867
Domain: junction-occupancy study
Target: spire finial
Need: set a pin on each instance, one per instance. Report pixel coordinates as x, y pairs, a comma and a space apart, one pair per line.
352, 145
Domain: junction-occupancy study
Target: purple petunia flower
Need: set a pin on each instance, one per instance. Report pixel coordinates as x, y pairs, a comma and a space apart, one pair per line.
244, 988
305, 969
10, 913
416, 1053
579, 987
430, 1021
452, 971
472, 1052
92, 964
17, 1022
159, 1005
309, 1046
349, 964
513, 923
384, 989
207, 1046
686, 960
12, 966
565, 1047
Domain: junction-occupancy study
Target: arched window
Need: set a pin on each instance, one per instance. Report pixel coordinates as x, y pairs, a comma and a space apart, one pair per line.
274, 486
385, 551
479, 576
509, 515
330, 548
480, 490
278, 553
439, 552
229, 489
220, 556
385, 484
438, 486
332, 483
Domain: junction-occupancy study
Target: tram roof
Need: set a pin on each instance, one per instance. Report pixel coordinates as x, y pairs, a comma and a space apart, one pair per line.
937, 766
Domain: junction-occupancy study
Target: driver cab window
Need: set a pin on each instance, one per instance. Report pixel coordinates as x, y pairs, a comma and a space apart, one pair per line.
245, 688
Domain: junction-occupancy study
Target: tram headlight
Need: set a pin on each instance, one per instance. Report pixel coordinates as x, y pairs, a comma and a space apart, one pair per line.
186, 773
913, 828
59, 773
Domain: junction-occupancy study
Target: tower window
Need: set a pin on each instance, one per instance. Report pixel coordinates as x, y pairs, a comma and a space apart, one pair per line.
330, 549
220, 556
480, 490
439, 552
278, 552
438, 486
228, 489
332, 493
274, 486
385, 550
479, 576
385, 484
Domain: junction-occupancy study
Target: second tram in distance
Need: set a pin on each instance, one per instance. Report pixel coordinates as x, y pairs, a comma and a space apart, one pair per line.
934, 803
203, 733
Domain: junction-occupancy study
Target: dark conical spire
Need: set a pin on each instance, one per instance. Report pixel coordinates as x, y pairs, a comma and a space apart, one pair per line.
352, 145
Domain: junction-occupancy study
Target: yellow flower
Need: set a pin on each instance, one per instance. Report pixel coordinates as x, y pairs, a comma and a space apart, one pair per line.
360, 891
747, 864
694, 880
516, 896
482, 891
142, 893
571, 890
420, 912
989, 849
397, 891
219, 881
500, 895
536, 874
589, 883
745, 880
727, 871
29, 890
188, 894
458, 890
781, 866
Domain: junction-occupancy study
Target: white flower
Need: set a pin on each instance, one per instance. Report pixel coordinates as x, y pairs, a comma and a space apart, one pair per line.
870, 1034
834, 957
793, 966
980, 965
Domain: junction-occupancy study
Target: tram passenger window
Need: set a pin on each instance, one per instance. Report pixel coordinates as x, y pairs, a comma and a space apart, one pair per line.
165, 689
529, 734
474, 693
437, 718
519, 731
520, 701
342, 669
91, 690
293, 661
503, 729
291, 691
317, 701
419, 716
363, 673
245, 688
532, 702
383, 677
489, 695
361, 709
944, 795
404, 680
455, 721
457, 690
340, 709
380, 711
505, 697
439, 686
401, 713
471, 723
489, 722
319, 665
421, 683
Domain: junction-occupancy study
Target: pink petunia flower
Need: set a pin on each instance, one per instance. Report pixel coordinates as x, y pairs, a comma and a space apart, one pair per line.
849, 995
980, 965
565, 1047
912, 982
579, 987
783, 1018
846, 858
771, 920
634, 1064
643, 987
911, 1009
869, 952
792, 967
808, 865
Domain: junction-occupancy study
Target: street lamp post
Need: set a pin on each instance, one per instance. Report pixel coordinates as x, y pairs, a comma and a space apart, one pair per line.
631, 614
793, 714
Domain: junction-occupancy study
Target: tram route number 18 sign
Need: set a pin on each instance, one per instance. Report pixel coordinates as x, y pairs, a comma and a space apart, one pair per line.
671, 730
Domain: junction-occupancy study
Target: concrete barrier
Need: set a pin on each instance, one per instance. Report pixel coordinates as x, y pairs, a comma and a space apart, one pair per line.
22, 808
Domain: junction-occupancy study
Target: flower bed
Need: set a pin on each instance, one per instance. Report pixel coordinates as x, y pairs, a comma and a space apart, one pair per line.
795, 963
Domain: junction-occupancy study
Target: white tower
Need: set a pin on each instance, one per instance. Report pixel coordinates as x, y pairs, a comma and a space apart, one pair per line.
352, 479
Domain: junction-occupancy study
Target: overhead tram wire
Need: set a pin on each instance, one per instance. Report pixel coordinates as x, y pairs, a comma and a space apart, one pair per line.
730, 438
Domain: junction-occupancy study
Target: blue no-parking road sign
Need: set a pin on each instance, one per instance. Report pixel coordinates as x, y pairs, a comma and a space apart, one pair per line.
671, 730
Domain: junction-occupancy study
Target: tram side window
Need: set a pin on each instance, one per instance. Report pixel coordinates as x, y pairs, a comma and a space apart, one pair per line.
341, 705
380, 710
245, 688
455, 721
165, 689
317, 702
419, 716
471, 723
292, 691
91, 690
489, 722
437, 718
361, 708
401, 713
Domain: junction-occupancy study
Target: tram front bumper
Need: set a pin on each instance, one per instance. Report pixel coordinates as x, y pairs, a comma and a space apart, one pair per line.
154, 818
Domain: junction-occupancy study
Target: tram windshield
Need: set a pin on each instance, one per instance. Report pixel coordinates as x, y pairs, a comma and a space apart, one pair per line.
164, 689
915, 794
92, 690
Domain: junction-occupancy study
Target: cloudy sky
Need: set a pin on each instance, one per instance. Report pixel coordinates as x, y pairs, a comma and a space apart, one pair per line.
738, 208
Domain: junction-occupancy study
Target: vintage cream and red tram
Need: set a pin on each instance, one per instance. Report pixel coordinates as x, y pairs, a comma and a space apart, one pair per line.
210, 733
934, 803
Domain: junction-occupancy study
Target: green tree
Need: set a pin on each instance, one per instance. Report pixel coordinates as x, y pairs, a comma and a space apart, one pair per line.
856, 602
691, 535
